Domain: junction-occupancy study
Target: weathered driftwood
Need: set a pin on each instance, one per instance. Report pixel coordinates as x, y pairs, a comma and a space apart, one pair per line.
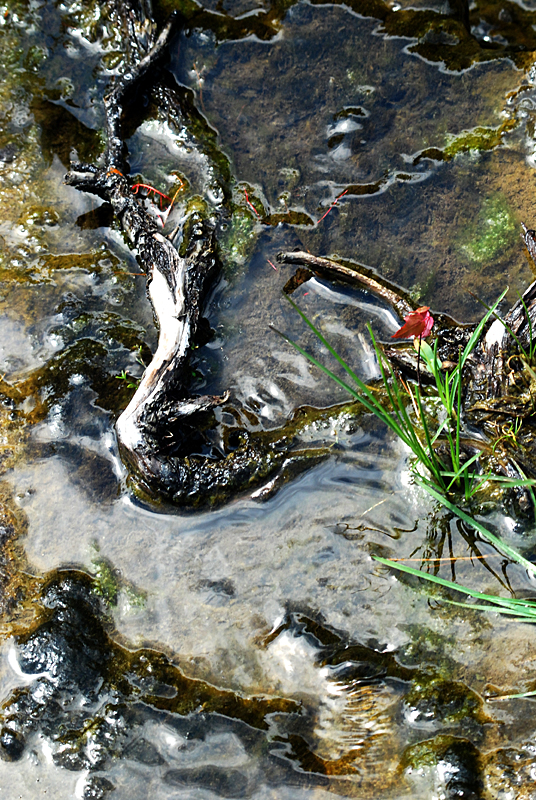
150, 430
175, 284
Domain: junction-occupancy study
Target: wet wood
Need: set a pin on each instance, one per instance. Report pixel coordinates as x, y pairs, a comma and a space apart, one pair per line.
359, 276
356, 275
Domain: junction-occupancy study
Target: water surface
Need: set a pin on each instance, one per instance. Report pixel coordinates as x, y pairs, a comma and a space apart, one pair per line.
254, 650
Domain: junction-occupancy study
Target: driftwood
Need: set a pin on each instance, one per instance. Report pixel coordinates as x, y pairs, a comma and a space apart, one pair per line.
162, 411
175, 284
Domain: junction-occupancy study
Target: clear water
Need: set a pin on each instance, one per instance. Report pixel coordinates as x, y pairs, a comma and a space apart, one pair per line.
280, 600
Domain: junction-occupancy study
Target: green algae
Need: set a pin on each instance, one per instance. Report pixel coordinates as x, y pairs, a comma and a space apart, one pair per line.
433, 698
237, 241
491, 235
289, 218
84, 361
453, 764
479, 139
110, 583
19, 583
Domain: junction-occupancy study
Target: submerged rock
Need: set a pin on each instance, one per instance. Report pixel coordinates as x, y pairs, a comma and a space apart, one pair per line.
450, 764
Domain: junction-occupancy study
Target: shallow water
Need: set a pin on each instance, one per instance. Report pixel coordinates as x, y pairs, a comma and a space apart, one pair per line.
256, 649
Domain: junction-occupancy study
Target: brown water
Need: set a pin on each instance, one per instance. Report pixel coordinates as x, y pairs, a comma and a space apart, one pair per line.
255, 650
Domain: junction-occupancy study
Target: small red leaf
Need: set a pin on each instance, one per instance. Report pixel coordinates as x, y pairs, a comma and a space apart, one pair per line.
417, 324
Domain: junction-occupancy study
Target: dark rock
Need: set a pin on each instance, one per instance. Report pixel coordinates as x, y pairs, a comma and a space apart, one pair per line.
11, 745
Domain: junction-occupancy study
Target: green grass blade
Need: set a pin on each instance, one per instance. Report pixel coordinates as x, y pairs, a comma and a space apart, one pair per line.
325, 342
529, 616
395, 400
507, 482
375, 407
318, 364
502, 546
392, 388
531, 332
368, 401
531, 484
500, 601
437, 466
464, 469
519, 696
437, 434
475, 336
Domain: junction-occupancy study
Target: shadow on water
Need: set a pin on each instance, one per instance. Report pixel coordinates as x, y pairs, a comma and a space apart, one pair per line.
253, 650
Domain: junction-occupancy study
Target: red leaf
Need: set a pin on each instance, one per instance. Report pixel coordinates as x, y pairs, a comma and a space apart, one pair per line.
417, 323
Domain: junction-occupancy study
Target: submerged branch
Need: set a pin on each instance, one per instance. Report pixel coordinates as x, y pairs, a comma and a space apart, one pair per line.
356, 274
116, 100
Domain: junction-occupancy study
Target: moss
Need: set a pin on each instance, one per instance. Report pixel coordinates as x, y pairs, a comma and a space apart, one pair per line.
109, 583
477, 140
107, 579
237, 240
432, 698
85, 357
419, 291
454, 762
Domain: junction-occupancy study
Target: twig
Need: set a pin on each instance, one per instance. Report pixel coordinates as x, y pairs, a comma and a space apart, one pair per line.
332, 206
354, 274
250, 204
200, 84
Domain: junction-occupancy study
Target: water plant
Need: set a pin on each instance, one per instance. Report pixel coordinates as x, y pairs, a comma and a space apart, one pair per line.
523, 608
409, 412
417, 430
132, 383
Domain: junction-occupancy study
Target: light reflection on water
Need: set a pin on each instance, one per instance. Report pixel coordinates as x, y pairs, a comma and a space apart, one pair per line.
272, 554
